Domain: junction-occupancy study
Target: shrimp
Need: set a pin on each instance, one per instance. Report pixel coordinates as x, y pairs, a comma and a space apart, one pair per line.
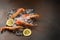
21, 20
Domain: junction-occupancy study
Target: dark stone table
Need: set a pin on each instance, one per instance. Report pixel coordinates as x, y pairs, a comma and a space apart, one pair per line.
47, 24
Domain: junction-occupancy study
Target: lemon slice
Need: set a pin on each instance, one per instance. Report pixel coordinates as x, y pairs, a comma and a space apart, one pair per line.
27, 32
10, 22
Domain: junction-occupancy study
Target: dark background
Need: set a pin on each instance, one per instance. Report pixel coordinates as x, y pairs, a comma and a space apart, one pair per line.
48, 26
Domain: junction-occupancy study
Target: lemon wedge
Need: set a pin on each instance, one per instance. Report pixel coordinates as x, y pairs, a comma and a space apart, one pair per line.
10, 22
27, 32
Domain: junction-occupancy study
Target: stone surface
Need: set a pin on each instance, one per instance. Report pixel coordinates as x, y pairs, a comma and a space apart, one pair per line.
46, 25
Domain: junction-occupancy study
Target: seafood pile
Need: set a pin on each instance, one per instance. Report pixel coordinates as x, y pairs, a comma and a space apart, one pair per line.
20, 21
